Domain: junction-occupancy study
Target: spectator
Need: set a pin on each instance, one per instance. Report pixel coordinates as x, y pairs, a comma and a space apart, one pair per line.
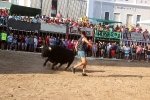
14, 43
148, 54
70, 45
138, 52
133, 52
31, 43
19, 42
51, 40
47, 41
26, 42
59, 15
23, 42
108, 49
3, 39
9, 41
94, 49
35, 43
127, 50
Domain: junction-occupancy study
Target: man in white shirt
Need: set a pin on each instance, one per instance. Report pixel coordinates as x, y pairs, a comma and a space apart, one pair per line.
127, 51
108, 49
35, 43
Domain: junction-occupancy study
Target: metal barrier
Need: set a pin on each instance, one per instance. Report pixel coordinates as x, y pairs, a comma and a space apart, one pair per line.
107, 35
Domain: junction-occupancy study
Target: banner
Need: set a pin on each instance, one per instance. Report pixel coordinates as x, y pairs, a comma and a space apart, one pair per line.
21, 25
53, 28
135, 36
75, 30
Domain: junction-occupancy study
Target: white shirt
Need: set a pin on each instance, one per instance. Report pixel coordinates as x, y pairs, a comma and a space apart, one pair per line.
126, 49
51, 40
108, 47
35, 41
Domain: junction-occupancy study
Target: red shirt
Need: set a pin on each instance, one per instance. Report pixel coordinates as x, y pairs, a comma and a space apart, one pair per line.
47, 41
22, 39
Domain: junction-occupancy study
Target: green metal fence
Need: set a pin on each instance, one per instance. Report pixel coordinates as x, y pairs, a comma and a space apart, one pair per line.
107, 35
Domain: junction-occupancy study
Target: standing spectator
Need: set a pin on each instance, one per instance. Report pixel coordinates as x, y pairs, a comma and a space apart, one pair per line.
47, 41
3, 39
14, 43
19, 42
26, 42
40, 43
102, 50
133, 51
51, 40
94, 49
58, 41
9, 41
59, 15
31, 43
23, 42
127, 51
148, 54
108, 49
138, 52
70, 45
35, 43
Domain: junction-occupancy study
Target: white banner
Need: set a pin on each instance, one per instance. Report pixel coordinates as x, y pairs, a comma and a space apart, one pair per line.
53, 28
75, 30
136, 36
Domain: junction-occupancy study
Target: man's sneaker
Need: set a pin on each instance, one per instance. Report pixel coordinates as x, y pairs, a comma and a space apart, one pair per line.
84, 74
73, 70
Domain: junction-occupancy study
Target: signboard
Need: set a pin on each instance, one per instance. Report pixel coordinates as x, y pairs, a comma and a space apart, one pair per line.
136, 36
53, 28
75, 30
126, 8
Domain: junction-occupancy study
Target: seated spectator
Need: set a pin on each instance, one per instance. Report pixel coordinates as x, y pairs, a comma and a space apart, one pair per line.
57, 22
34, 20
118, 29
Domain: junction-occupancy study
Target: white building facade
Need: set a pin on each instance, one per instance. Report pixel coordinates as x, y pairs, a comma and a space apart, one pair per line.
68, 8
129, 12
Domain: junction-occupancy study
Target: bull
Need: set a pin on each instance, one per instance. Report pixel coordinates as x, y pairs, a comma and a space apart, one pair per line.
58, 54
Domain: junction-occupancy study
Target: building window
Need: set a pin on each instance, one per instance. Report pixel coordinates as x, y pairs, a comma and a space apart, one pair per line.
129, 20
117, 16
106, 15
138, 18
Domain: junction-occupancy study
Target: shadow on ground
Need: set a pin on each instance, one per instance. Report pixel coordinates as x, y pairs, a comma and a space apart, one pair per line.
26, 63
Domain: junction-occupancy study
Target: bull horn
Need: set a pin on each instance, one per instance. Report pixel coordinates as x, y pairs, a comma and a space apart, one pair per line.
41, 47
50, 48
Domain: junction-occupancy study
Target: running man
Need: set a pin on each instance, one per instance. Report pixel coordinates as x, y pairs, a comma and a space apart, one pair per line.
80, 48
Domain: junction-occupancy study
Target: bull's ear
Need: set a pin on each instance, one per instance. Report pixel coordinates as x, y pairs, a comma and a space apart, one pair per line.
50, 48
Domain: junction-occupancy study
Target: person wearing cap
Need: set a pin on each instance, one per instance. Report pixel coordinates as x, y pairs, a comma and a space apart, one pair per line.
80, 48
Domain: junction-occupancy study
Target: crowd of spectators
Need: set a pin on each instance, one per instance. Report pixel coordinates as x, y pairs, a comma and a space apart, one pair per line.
100, 49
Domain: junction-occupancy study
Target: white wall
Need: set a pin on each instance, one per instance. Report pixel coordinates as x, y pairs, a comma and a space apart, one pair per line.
21, 2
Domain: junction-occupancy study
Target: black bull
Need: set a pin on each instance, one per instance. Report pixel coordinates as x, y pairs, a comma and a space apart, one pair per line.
57, 54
